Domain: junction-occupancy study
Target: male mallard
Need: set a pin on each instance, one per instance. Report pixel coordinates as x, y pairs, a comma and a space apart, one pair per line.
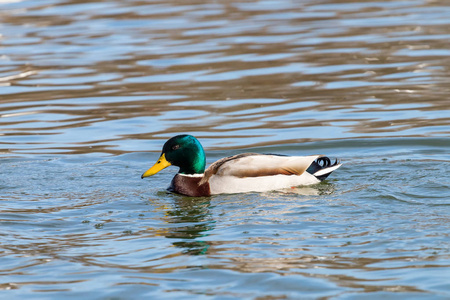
247, 172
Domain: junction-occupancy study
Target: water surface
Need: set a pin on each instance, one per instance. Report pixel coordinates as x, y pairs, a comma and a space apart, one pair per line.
90, 91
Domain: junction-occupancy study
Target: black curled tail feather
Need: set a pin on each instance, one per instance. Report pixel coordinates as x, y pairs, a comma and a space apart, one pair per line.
323, 167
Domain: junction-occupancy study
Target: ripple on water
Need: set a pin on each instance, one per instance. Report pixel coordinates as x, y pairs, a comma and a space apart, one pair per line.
88, 88
337, 235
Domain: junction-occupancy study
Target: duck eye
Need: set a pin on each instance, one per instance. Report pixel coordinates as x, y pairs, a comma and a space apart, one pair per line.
175, 147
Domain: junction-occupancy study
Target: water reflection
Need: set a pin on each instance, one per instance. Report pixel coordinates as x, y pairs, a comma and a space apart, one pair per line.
120, 77
191, 220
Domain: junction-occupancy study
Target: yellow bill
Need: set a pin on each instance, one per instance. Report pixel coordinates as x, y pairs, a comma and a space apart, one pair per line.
161, 164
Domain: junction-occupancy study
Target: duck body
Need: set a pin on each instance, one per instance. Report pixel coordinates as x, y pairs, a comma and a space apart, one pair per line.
247, 172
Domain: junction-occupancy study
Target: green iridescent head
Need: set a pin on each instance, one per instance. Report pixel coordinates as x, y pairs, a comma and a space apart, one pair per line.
183, 151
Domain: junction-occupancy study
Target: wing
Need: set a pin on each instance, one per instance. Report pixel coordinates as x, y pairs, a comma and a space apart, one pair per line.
255, 165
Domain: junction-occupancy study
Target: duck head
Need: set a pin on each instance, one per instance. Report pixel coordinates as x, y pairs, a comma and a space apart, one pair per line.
183, 151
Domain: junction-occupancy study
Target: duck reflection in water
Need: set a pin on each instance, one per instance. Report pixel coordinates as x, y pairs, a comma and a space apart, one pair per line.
194, 220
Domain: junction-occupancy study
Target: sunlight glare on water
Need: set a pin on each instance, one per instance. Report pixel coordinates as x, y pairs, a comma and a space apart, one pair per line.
90, 91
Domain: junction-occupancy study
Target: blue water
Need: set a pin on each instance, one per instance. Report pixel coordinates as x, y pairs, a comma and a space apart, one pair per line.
89, 93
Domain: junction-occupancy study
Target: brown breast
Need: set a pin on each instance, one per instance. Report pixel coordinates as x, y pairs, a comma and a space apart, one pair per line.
189, 186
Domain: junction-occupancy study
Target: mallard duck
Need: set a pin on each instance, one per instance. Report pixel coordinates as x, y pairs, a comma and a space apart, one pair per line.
246, 172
